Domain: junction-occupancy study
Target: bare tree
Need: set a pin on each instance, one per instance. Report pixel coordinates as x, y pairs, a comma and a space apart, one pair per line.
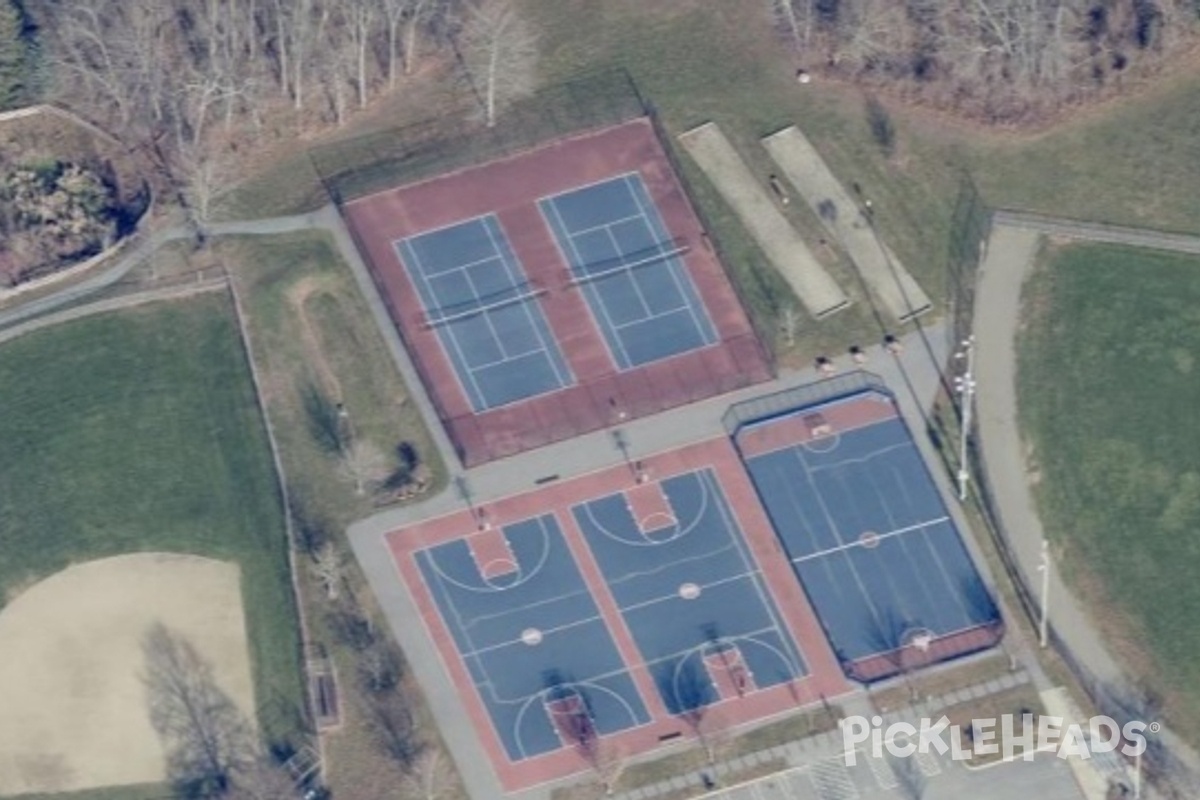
395, 729
328, 567
500, 52
263, 779
206, 738
359, 21
785, 10
695, 696
380, 667
430, 776
577, 727
202, 169
364, 465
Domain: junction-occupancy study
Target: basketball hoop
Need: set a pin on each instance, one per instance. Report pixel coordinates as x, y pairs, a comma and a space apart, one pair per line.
817, 425
920, 639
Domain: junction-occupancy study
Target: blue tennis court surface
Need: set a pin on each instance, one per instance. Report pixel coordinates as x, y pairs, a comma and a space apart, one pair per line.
475, 294
870, 539
630, 271
532, 638
691, 593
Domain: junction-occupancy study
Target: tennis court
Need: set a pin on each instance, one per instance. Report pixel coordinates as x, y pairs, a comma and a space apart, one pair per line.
534, 642
545, 294
629, 269
868, 535
689, 591
485, 310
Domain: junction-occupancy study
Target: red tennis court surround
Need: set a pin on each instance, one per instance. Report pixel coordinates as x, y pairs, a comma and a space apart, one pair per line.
593, 391
737, 693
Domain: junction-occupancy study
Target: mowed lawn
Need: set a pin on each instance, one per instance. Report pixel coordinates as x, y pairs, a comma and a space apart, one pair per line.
1109, 390
139, 431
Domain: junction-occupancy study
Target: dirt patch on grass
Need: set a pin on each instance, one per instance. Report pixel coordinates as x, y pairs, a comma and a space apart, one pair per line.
298, 295
75, 708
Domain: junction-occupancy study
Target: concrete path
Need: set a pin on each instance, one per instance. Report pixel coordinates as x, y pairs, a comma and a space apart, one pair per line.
113, 304
143, 248
1098, 232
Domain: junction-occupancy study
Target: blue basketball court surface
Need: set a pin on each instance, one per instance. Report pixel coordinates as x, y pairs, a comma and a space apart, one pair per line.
870, 538
532, 638
486, 313
690, 593
630, 271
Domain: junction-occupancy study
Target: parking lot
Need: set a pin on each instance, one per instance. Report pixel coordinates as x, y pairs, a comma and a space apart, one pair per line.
924, 777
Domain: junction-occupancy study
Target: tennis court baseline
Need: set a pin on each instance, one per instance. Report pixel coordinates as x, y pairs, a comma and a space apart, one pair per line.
691, 593
486, 312
870, 538
532, 637
630, 270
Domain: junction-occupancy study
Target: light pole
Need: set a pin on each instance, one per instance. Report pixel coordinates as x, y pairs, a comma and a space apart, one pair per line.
1044, 568
964, 384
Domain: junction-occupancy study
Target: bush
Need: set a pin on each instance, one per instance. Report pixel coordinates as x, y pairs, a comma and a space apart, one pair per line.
54, 213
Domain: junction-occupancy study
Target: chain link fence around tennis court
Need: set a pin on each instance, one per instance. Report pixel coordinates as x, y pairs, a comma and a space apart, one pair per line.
362, 165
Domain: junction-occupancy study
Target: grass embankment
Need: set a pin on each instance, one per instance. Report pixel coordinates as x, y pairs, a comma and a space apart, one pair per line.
1108, 395
139, 431
316, 344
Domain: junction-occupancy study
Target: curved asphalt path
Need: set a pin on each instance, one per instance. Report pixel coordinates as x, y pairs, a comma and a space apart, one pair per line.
142, 250
1009, 258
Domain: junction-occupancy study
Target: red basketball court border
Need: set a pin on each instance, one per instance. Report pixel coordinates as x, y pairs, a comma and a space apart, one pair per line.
741, 702
601, 395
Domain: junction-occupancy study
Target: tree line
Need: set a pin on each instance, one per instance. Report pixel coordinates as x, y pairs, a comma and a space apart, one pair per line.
998, 60
188, 80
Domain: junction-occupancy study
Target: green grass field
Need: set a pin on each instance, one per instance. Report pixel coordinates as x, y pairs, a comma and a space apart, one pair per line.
1108, 396
312, 332
139, 431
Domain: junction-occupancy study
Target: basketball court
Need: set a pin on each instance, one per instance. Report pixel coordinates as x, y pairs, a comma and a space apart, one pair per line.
547, 294
621, 607
689, 591
868, 535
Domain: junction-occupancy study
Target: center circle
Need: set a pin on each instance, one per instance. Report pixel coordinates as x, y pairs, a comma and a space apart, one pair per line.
689, 591
531, 636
